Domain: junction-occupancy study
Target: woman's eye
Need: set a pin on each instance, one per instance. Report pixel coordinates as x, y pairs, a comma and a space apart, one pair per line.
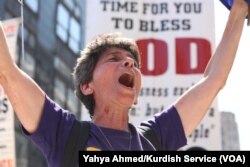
114, 59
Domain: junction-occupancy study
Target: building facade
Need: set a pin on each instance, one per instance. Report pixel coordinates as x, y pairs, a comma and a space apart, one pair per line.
53, 37
229, 130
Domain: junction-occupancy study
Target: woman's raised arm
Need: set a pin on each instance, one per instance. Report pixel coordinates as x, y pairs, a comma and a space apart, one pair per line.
25, 95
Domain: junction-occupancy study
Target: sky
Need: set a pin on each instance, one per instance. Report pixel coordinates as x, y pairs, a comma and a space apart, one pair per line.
234, 97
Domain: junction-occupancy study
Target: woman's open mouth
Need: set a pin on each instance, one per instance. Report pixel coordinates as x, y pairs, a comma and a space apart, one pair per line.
127, 80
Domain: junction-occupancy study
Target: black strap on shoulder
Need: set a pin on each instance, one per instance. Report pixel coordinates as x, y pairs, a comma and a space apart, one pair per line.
78, 138
77, 141
150, 135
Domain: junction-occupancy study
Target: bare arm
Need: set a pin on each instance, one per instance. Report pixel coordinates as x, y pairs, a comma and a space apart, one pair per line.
24, 94
194, 104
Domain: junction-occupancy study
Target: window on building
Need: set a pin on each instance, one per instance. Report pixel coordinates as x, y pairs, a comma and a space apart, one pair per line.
28, 64
59, 92
77, 11
25, 33
68, 27
62, 23
74, 35
69, 4
28, 36
72, 102
32, 4
62, 68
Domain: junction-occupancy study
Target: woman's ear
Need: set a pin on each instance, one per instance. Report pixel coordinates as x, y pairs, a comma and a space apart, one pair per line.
85, 89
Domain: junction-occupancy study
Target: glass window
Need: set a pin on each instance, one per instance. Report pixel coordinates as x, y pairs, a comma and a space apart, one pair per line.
62, 68
63, 16
77, 11
25, 33
31, 40
74, 29
59, 92
61, 32
68, 28
72, 102
74, 32
74, 45
70, 4
27, 64
62, 22
28, 37
32, 4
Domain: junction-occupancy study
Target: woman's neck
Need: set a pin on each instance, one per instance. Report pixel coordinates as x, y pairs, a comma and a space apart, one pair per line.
111, 118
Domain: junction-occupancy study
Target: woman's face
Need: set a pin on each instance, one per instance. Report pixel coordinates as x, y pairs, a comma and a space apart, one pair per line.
116, 78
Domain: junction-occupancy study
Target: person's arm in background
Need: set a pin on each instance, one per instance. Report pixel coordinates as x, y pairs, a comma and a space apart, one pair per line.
194, 104
25, 95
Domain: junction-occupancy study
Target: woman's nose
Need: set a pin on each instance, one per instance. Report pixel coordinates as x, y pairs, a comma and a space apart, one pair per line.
129, 62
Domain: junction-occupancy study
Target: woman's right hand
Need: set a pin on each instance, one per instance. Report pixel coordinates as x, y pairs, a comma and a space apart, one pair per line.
241, 6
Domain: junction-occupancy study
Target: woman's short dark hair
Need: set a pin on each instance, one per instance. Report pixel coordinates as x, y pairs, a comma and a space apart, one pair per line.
83, 70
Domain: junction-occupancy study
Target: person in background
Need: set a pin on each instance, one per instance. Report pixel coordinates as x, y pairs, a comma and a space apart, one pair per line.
108, 80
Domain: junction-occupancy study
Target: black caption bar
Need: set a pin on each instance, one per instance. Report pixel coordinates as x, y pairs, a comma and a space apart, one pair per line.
172, 158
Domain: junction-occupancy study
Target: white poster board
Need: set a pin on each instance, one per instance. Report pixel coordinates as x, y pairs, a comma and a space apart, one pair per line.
7, 130
176, 39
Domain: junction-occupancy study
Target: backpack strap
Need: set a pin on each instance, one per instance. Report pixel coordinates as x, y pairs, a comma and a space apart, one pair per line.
77, 141
78, 138
149, 134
